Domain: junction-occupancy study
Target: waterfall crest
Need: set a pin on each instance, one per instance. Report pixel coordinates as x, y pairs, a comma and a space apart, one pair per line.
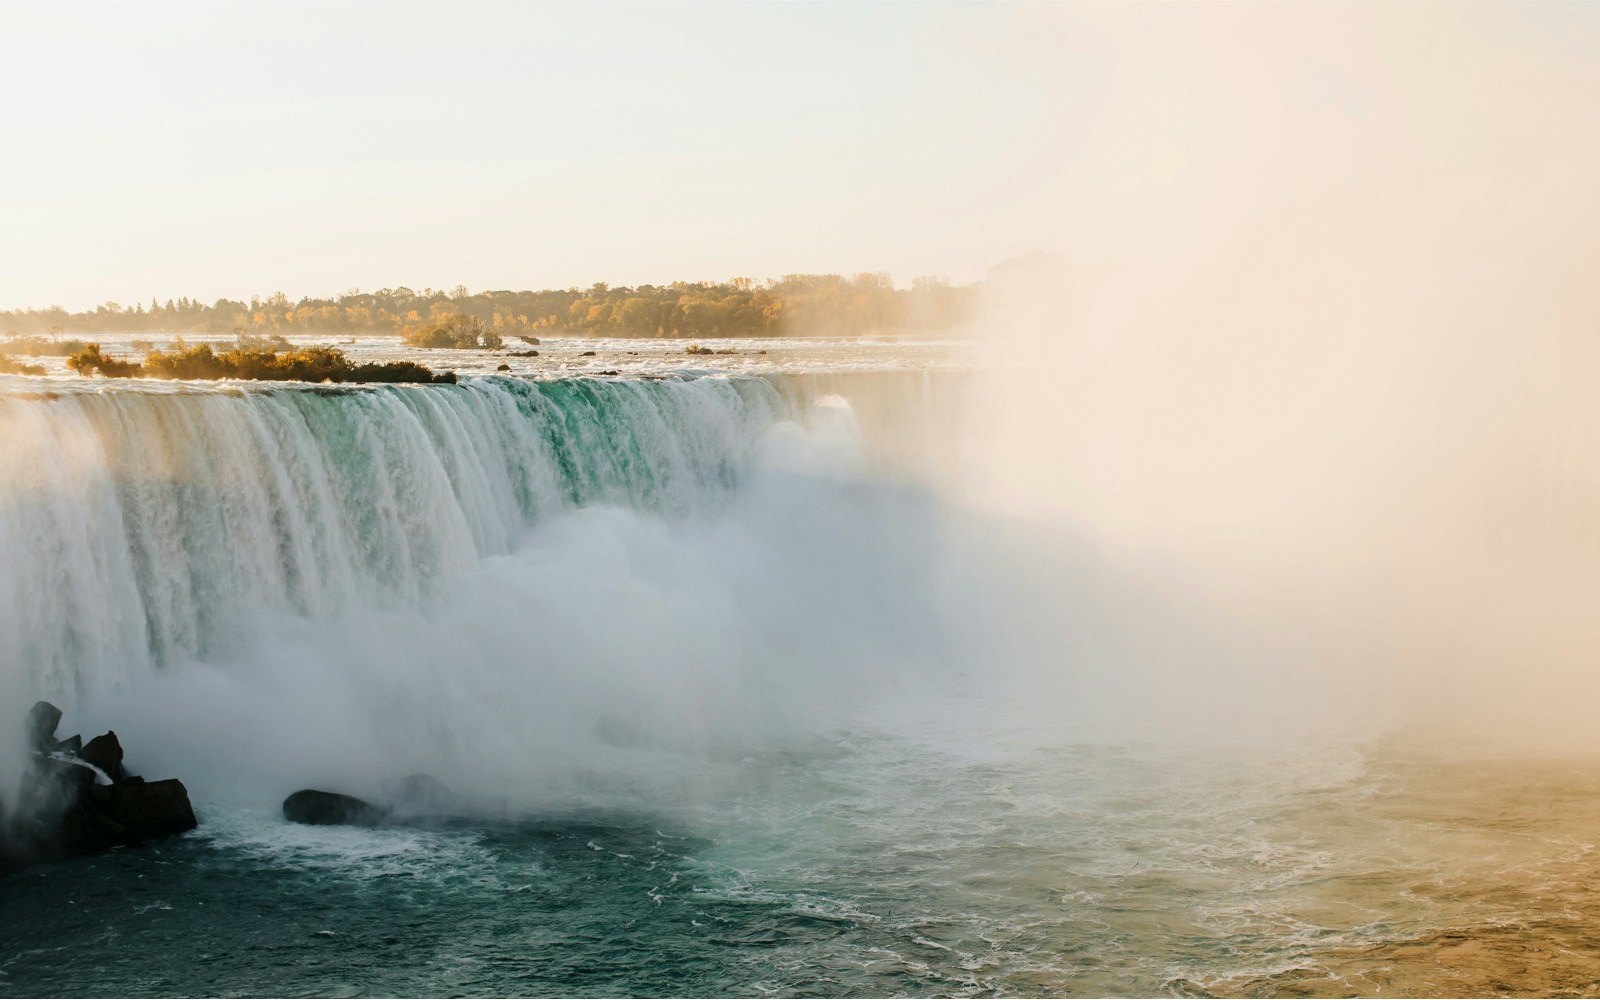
136, 524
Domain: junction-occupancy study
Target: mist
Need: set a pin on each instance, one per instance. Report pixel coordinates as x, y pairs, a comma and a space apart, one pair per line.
1300, 400
1286, 433
608, 655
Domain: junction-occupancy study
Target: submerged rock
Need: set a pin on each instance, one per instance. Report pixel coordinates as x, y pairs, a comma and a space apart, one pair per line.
320, 808
422, 789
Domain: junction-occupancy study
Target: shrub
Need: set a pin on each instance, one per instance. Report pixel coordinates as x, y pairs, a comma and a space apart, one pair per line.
11, 366
310, 364
454, 330
91, 360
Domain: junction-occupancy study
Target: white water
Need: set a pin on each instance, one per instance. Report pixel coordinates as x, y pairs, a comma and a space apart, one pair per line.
528, 589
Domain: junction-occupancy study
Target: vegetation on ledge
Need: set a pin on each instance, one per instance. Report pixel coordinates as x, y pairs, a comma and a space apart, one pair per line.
11, 366
40, 347
248, 361
453, 330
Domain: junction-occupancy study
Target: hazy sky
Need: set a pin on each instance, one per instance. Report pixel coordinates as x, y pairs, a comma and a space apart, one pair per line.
230, 149
233, 149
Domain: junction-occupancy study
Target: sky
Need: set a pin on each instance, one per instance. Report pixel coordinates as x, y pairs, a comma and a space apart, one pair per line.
235, 149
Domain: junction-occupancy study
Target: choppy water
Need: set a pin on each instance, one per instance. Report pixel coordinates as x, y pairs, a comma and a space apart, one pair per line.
723, 674
876, 866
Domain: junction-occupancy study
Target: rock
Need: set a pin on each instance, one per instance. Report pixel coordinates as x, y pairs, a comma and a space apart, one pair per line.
53, 777
76, 798
421, 797
503, 368
697, 349
105, 752
330, 808
422, 788
149, 808
43, 718
586, 354
62, 812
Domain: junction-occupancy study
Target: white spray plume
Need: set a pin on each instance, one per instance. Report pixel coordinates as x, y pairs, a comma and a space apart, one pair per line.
1307, 378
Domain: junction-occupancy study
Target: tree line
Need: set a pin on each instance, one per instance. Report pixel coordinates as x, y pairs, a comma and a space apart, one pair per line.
796, 305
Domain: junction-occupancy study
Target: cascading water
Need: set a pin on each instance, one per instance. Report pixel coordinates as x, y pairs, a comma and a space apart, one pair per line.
190, 562
138, 525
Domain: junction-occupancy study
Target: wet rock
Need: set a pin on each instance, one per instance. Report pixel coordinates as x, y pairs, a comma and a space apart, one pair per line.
503, 368
43, 718
72, 744
56, 777
147, 808
64, 811
586, 354
422, 788
421, 797
105, 752
320, 808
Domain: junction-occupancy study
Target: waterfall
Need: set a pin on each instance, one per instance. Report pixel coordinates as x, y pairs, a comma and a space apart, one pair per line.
511, 584
135, 523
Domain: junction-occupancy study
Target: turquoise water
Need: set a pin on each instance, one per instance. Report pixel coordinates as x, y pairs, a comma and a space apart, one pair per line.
867, 866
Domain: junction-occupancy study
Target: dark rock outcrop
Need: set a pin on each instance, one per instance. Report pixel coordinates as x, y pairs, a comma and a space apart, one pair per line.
320, 808
105, 752
146, 808
74, 802
43, 718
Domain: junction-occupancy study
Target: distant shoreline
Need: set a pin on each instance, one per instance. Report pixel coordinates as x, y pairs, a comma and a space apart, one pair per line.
793, 306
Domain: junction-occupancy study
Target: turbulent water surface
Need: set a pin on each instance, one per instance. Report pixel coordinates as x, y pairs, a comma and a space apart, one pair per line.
708, 651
